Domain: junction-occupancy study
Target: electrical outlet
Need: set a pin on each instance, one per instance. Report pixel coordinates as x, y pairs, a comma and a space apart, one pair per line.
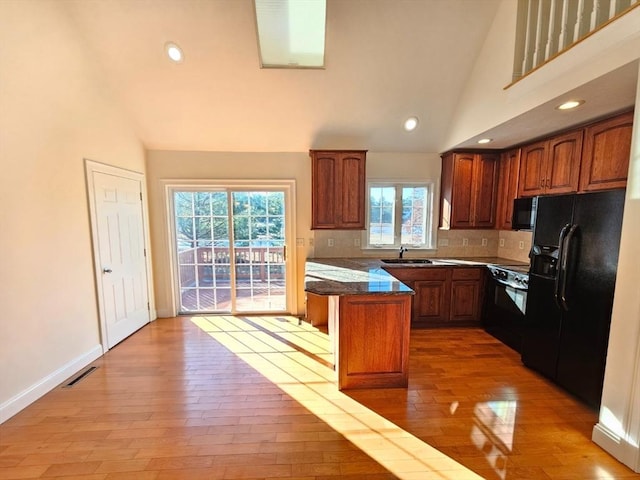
484, 242
465, 242
502, 242
311, 242
330, 242
443, 242
300, 242
356, 242
521, 245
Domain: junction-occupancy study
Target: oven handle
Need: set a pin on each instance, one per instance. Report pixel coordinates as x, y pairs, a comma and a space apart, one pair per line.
507, 284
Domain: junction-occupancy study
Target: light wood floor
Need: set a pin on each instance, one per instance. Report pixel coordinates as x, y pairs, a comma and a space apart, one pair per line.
255, 397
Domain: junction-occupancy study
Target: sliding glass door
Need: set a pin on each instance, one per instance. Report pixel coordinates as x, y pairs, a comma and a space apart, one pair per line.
230, 250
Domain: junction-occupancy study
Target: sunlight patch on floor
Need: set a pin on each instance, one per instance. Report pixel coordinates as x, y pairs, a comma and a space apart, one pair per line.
314, 385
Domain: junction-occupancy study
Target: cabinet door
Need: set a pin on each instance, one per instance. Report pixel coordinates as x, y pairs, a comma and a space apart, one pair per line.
351, 190
507, 188
607, 149
462, 194
484, 190
533, 161
466, 291
324, 173
430, 303
338, 189
563, 163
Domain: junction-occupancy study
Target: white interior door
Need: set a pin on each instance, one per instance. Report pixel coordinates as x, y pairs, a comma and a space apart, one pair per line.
119, 243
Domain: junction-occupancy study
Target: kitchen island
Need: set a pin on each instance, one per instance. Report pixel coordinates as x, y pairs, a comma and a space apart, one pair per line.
369, 321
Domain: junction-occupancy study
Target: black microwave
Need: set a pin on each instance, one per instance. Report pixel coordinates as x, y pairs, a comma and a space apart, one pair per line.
524, 213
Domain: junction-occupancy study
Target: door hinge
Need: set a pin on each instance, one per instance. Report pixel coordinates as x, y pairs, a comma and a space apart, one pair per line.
148, 307
144, 252
140, 196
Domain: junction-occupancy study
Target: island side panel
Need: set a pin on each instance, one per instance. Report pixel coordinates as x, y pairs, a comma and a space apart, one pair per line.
373, 341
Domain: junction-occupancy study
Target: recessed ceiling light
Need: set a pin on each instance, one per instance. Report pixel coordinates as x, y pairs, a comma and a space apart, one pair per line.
485, 140
174, 52
410, 124
570, 104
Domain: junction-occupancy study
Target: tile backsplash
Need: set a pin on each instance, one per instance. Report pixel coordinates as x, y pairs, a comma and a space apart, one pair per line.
451, 243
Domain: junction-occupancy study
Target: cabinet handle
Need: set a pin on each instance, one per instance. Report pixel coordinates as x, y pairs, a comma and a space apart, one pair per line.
542, 183
548, 182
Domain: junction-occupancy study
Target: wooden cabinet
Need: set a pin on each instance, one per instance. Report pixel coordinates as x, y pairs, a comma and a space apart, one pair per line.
316, 309
431, 300
370, 338
551, 166
469, 190
466, 287
338, 189
444, 296
606, 153
507, 188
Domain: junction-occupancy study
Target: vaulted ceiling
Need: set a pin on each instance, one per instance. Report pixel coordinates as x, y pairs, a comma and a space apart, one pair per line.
385, 60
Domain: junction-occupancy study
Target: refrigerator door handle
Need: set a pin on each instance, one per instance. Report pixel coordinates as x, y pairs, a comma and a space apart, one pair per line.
560, 265
565, 267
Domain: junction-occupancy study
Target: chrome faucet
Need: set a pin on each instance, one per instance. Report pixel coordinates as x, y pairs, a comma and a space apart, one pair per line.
402, 250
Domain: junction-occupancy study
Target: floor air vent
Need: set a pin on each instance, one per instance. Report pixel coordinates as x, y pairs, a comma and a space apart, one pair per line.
79, 377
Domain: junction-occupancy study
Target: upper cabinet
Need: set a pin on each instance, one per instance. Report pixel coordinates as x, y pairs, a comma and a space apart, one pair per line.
469, 190
606, 153
551, 166
507, 187
338, 189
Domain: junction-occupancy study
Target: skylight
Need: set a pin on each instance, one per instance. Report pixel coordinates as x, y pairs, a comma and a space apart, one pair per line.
291, 33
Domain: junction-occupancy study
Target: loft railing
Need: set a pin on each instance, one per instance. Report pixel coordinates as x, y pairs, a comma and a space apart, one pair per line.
546, 28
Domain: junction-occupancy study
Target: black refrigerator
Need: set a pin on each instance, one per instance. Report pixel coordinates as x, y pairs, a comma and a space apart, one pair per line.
574, 258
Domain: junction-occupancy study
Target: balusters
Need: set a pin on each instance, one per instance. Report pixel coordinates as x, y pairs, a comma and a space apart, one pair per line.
550, 48
547, 27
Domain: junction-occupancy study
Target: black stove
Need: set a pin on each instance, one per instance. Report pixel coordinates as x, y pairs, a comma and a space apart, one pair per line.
505, 303
514, 276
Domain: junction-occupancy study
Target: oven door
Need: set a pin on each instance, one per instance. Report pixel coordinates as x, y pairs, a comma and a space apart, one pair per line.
503, 314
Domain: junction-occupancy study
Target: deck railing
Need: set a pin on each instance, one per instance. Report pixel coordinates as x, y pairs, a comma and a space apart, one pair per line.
263, 264
546, 28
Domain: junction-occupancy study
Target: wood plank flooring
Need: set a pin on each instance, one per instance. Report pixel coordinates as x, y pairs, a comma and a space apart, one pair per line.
224, 397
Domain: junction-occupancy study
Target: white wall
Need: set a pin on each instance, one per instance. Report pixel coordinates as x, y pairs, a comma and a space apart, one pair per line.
618, 429
54, 112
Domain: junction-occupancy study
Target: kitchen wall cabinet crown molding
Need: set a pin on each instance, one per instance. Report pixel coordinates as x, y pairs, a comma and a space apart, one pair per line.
338, 195
468, 193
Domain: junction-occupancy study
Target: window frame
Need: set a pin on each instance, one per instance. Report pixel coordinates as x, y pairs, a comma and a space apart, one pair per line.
429, 211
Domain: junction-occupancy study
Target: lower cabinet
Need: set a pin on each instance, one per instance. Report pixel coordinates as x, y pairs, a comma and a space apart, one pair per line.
316, 309
466, 287
444, 296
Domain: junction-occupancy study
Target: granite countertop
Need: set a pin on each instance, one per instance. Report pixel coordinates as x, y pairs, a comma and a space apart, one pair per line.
364, 276
342, 276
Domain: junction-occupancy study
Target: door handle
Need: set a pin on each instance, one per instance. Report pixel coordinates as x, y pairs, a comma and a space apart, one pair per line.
106, 270
565, 267
559, 268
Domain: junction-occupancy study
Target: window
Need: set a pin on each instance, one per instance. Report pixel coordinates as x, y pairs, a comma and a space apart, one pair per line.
400, 214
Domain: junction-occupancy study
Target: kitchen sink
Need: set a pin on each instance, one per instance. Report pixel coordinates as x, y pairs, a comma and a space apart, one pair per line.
406, 260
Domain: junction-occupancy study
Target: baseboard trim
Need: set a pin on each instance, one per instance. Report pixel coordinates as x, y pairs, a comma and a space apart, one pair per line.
164, 313
25, 398
616, 446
